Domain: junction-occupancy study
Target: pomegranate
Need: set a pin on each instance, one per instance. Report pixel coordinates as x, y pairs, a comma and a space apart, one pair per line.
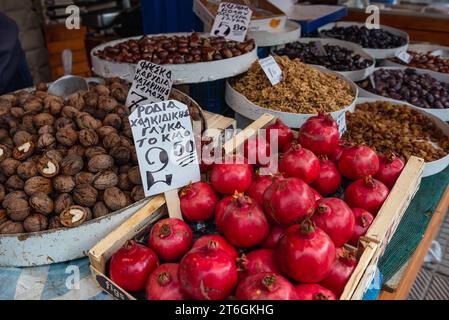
334, 217
305, 253
219, 209
300, 163
271, 241
258, 187
265, 286
390, 169
171, 238
227, 178
163, 284
367, 193
363, 220
313, 291
244, 223
358, 162
131, 265
261, 260
289, 145
316, 194
208, 273
342, 145
320, 134
219, 242
198, 201
257, 151
289, 200
329, 179
284, 133
341, 272
207, 154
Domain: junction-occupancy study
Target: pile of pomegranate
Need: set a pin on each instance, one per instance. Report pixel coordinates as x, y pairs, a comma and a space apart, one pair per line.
288, 236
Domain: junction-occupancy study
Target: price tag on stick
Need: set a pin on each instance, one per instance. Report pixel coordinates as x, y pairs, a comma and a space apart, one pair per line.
404, 57
271, 69
151, 83
232, 21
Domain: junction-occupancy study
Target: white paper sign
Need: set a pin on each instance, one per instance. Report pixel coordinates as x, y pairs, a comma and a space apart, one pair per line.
165, 146
232, 21
271, 69
404, 57
341, 122
151, 83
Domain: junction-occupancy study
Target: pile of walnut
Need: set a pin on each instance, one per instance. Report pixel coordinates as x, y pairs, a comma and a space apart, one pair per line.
63, 163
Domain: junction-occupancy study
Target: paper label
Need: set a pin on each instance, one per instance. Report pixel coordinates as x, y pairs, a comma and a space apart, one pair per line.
404, 57
111, 288
165, 146
372, 82
271, 69
320, 48
151, 83
232, 21
341, 121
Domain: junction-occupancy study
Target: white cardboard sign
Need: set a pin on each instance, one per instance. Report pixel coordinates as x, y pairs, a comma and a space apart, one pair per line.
165, 146
341, 122
151, 83
404, 57
271, 69
232, 21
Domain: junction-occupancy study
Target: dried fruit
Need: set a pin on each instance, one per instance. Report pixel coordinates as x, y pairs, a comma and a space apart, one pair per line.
73, 216
23, 151
5, 152
47, 168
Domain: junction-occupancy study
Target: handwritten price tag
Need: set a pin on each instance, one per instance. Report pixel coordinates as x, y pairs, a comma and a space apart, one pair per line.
271, 69
165, 146
232, 21
341, 122
404, 57
151, 83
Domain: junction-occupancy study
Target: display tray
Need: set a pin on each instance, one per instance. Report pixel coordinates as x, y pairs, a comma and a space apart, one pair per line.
182, 73
290, 33
240, 104
376, 53
356, 75
443, 114
369, 249
430, 168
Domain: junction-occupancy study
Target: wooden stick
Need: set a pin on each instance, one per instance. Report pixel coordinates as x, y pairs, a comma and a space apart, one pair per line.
173, 204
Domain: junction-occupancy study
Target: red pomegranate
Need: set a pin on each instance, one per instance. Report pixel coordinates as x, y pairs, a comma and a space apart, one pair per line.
198, 201
300, 163
342, 145
358, 162
289, 145
271, 241
316, 194
314, 291
163, 284
329, 179
334, 217
244, 223
258, 188
305, 253
227, 178
257, 151
216, 241
219, 209
207, 154
363, 220
131, 265
289, 200
320, 134
261, 260
284, 133
367, 193
341, 272
265, 286
208, 273
171, 238
390, 169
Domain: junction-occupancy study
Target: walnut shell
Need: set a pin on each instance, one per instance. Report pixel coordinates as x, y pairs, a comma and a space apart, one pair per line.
5, 152
84, 177
62, 202
3, 216
107, 103
54, 107
88, 137
114, 198
100, 162
33, 106
105, 131
102, 90
112, 140
47, 167
41, 203
124, 183
85, 195
71, 165
64, 122
54, 155
12, 196
105, 179
42, 119
27, 170
67, 136
11, 227
2, 193
100, 210
14, 183
134, 175
9, 166
54, 223
120, 154
137, 193
69, 112
46, 129
90, 99
77, 149
20, 137
18, 209
93, 151
35, 222
23, 151
113, 120
38, 184
73, 216
85, 121
46, 140
63, 183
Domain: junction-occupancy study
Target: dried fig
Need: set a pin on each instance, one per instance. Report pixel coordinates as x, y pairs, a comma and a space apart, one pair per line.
88, 137
11, 227
41, 203
71, 165
54, 223
107, 103
27, 170
112, 140
38, 184
85, 121
14, 183
113, 120
20, 137
23, 151
93, 151
18, 209
9, 166
35, 222
63, 183
134, 175
73, 216
67, 136
137, 193
47, 167
5, 152
100, 162
100, 210
42, 119
46, 141
114, 198
85, 195
120, 154
105, 179
63, 201
84, 177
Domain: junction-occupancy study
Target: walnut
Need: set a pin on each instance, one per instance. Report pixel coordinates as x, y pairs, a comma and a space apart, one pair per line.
13, 196
38, 184
85, 195
46, 140
54, 107
126, 129
137, 193
134, 175
91, 99
85, 121
126, 142
9, 166
20, 137
41, 203
77, 149
96, 113
5, 152
14, 183
10, 98
64, 122
54, 223
88, 137
100, 162
35, 222
67, 136
113, 120
120, 154
102, 90
54, 155
47, 167
71, 165
114, 198
33, 106
43, 119
3, 216
95, 150
23, 151
112, 140
69, 112
18, 209
73, 216
11, 227
105, 179
107, 103
46, 129
27, 170
100, 210
134, 158
63, 183
119, 92
63, 201
84, 177
41, 86
76, 100
17, 112
104, 131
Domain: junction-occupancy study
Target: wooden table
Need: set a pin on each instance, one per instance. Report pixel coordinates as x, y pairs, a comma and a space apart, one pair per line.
410, 272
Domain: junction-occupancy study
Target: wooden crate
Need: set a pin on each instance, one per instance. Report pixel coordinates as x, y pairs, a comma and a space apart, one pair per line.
369, 250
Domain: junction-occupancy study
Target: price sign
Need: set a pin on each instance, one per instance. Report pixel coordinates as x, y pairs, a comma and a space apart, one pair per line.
320, 48
404, 57
341, 122
232, 21
151, 83
165, 146
271, 69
